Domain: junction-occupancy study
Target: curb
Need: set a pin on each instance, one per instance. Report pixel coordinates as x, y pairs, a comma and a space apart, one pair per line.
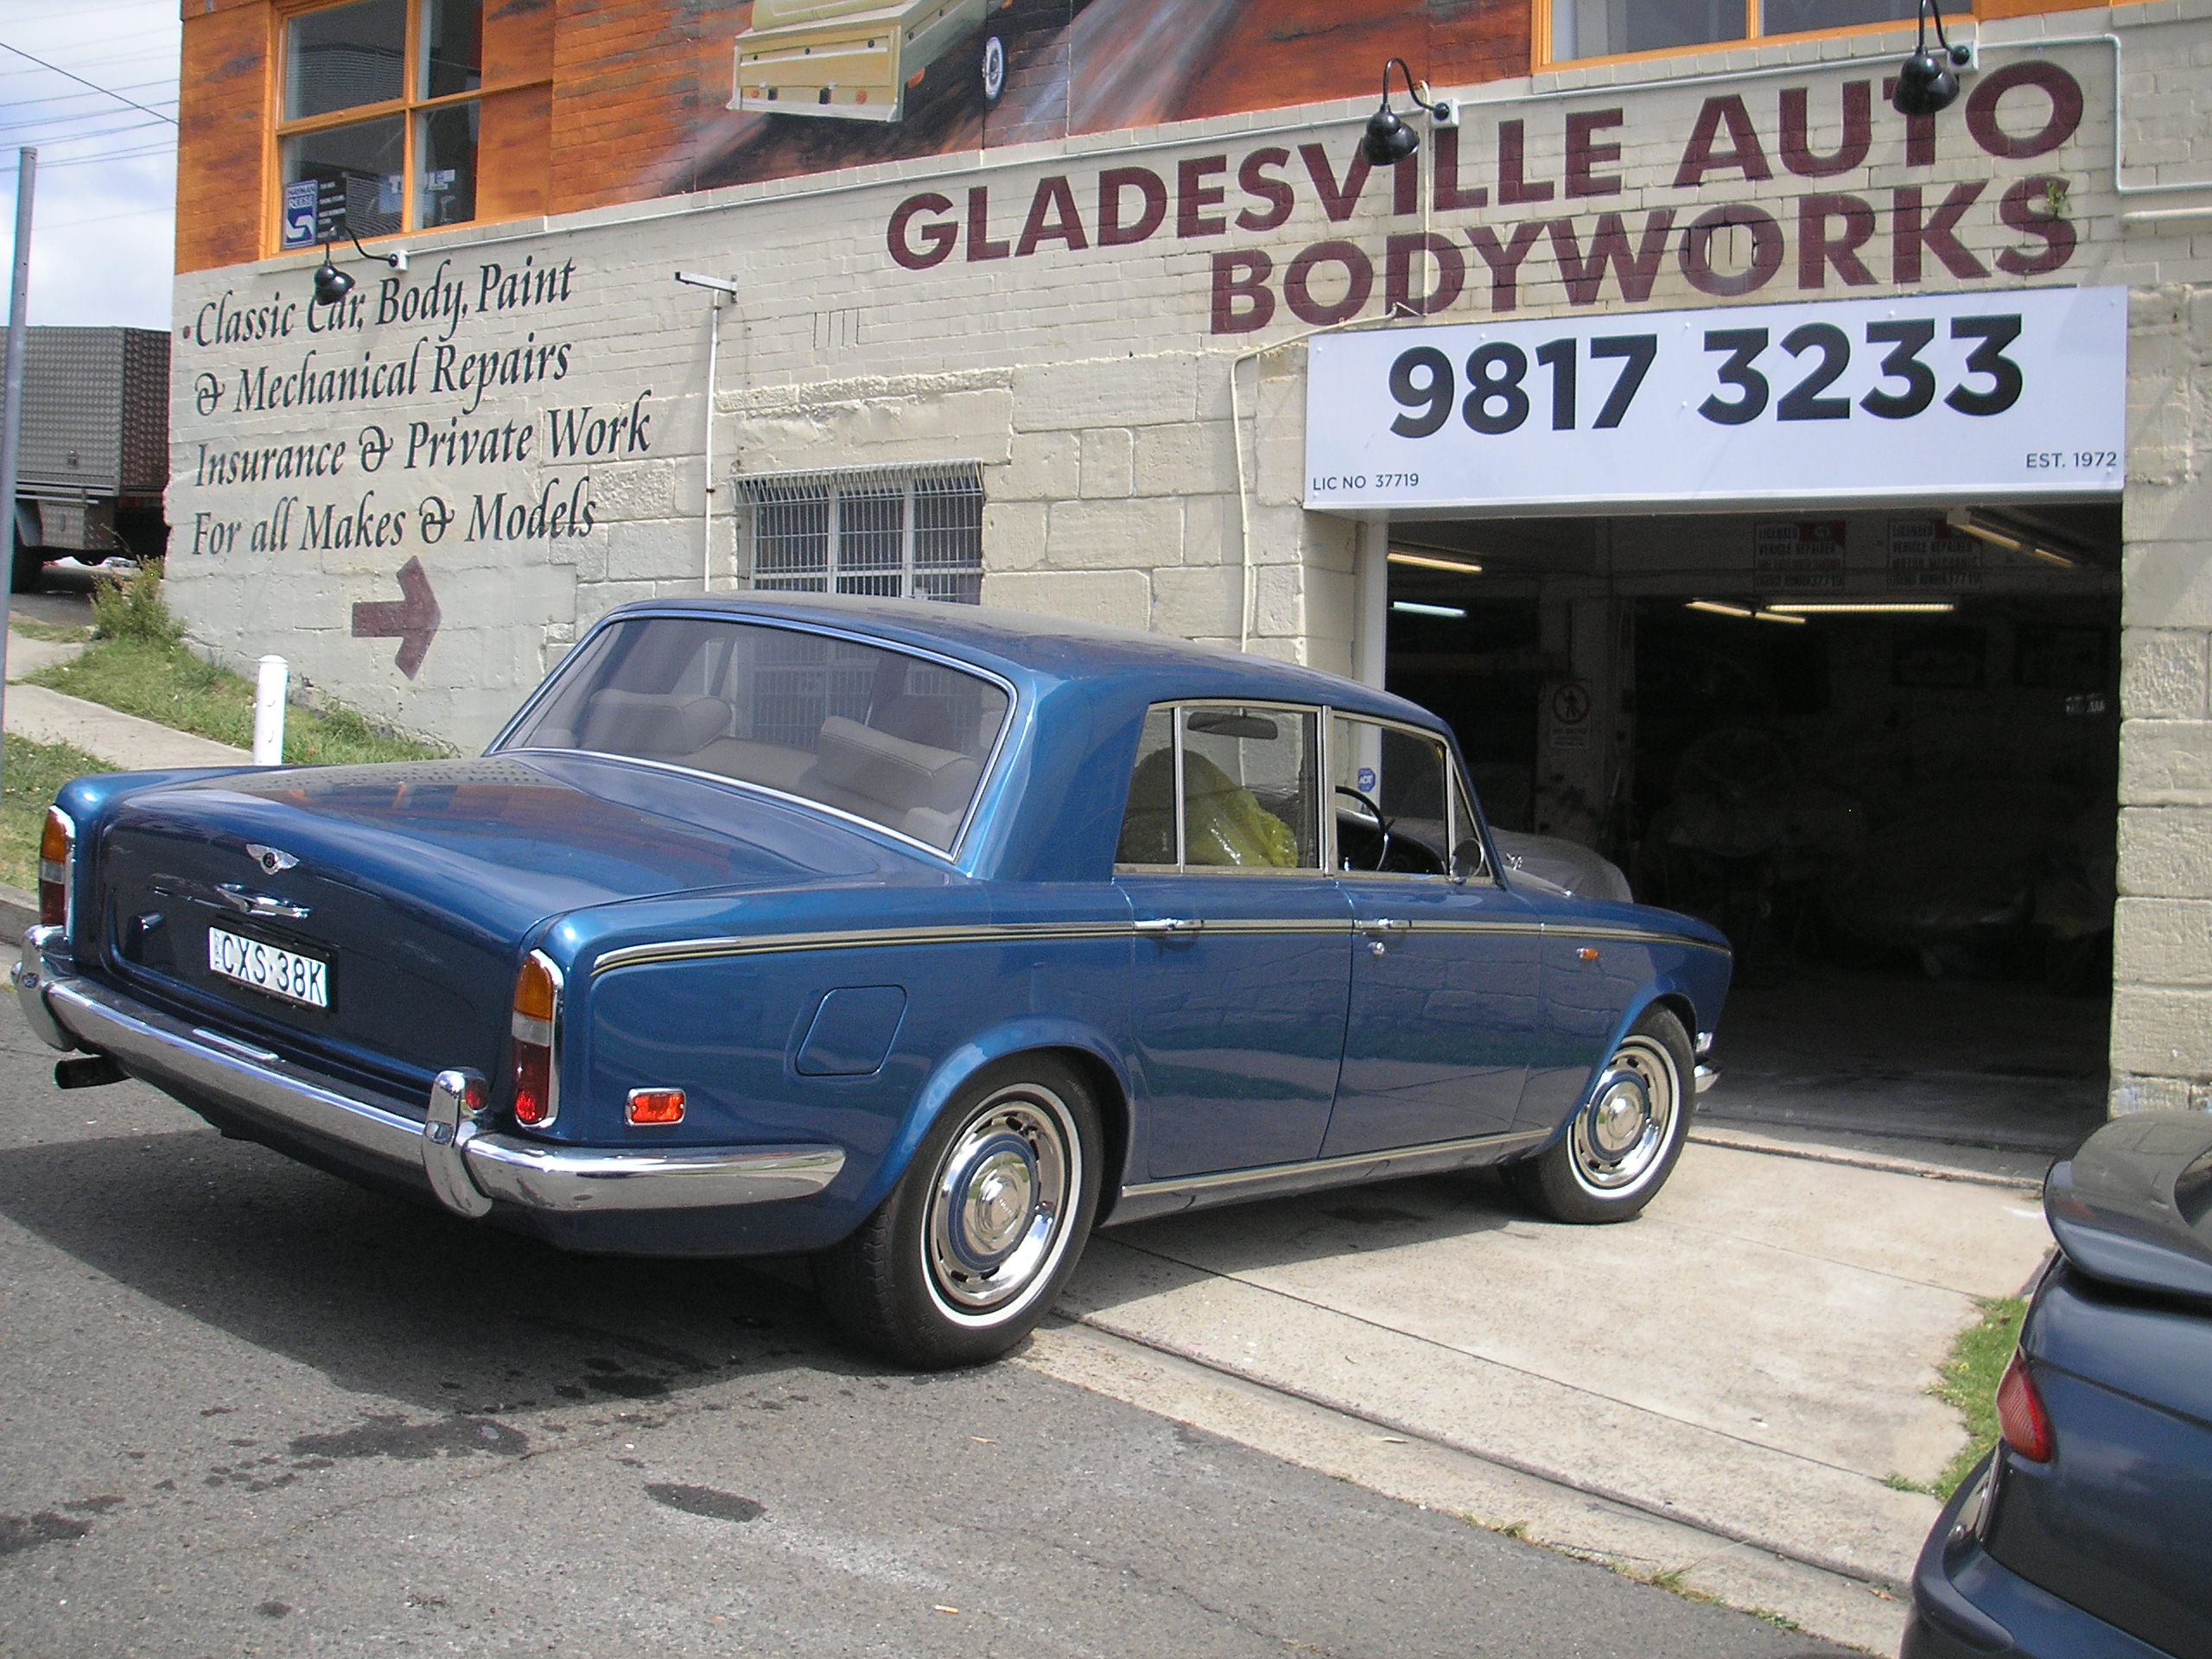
18, 912
1863, 1161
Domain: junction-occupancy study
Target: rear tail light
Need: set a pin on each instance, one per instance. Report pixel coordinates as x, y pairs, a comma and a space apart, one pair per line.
655, 1106
57, 852
2020, 1413
536, 1029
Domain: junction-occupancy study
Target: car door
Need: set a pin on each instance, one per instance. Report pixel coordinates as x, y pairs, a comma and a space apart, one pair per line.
1241, 968
1444, 1005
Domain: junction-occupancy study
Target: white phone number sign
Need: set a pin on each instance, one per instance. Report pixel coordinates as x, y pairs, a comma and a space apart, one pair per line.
1960, 396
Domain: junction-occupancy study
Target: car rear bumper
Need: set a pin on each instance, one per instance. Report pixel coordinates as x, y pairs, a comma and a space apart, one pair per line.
439, 1145
1967, 1605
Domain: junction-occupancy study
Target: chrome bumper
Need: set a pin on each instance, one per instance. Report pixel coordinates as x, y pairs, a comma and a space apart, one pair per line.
467, 1168
1705, 1077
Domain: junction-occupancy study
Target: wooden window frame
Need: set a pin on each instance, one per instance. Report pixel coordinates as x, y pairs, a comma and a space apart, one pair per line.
1543, 61
406, 106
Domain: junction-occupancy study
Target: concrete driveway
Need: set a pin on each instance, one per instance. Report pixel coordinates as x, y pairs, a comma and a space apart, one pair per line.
1745, 1366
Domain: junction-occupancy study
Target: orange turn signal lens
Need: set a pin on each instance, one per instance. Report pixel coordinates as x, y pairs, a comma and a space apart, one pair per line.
536, 1017
655, 1106
57, 850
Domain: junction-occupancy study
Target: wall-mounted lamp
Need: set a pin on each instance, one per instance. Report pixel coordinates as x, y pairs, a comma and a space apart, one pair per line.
1449, 612
1425, 559
1388, 140
1967, 523
331, 284
1929, 81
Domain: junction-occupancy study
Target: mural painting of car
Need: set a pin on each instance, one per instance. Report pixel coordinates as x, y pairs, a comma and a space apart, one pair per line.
918, 938
855, 59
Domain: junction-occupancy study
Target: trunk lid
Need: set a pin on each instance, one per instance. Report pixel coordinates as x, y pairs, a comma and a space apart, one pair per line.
416, 884
2134, 1206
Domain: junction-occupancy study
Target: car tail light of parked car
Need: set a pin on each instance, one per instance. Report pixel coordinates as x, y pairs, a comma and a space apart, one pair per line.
57, 851
2021, 1415
536, 1026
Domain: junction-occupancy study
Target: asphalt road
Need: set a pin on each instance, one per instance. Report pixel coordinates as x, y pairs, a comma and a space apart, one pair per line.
251, 1409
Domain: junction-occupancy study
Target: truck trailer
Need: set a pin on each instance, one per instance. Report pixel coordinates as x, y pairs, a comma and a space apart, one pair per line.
94, 459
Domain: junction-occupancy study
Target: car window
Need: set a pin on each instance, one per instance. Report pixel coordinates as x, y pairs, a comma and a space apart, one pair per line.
1390, 790
1246, 794
892, 738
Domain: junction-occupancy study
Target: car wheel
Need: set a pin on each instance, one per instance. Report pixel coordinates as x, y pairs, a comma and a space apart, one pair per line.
1623, 1142
969, 1250
994, 68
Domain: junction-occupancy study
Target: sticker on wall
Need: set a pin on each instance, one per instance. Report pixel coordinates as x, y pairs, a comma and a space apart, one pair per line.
1927, 555
1800, 556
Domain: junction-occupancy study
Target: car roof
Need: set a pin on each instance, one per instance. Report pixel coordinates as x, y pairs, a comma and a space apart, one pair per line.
1038, 650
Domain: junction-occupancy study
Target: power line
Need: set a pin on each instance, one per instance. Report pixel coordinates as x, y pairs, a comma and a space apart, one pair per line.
81, 81
113, 156
56, 137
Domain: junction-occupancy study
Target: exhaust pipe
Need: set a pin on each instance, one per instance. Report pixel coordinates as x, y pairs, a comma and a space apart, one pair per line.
87, 1071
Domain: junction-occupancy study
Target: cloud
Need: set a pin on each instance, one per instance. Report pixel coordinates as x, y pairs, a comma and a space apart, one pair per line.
104, 229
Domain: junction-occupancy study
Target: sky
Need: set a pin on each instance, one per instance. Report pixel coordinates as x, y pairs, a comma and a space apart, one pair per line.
103, 227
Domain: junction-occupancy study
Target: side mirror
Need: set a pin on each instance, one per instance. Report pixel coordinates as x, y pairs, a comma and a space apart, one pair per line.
1467, 859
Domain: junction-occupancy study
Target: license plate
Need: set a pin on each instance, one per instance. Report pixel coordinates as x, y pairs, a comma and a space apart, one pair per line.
267, 968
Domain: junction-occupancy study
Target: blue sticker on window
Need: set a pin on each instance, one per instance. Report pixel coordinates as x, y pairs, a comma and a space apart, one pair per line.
1367, 779
299, 213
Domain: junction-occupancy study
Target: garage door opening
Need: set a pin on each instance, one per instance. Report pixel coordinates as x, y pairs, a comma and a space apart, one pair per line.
1878, 749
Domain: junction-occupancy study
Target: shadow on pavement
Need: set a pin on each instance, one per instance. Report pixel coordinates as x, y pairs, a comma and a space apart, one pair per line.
387, 1298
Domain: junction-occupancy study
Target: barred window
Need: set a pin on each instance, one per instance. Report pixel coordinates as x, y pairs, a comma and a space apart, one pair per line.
901, 533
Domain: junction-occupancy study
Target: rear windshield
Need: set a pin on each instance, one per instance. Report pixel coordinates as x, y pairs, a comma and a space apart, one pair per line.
883, 735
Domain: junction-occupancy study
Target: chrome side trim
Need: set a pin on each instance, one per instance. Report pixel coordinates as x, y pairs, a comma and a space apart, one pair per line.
1149, 1198
755, 944
468, 1170
1633, 935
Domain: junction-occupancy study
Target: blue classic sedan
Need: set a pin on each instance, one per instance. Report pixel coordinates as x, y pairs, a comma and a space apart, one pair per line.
919, 939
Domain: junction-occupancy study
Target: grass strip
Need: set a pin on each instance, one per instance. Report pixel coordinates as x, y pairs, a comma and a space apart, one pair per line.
32, 773
1967, 1382
164, 682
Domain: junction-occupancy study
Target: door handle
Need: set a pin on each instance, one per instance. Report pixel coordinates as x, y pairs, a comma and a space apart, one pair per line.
1164, 925
1385, 925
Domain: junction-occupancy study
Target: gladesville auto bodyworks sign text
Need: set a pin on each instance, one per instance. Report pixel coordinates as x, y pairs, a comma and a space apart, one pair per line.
1968, 396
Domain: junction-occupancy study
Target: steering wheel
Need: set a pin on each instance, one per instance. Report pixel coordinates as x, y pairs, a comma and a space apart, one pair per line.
1382, 824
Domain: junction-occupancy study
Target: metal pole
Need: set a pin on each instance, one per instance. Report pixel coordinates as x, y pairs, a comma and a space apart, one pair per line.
11, 410
707, 512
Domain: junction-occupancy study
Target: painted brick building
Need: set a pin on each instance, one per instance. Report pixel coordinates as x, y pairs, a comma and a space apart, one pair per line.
1038, 302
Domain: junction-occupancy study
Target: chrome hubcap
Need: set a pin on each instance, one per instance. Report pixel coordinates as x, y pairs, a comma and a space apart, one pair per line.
998, 1210
1620, 1137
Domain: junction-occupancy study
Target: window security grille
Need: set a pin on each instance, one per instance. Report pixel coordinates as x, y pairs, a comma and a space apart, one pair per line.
899, 533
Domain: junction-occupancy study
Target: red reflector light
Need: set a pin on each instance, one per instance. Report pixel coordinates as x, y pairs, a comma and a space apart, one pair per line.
655, 1106
57, 849
536, 1019
2021, 1415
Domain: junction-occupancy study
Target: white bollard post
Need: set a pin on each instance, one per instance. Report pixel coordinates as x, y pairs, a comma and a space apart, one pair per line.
268, 712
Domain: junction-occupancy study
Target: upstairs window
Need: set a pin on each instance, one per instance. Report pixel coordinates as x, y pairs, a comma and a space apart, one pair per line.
381, 117
1605, 28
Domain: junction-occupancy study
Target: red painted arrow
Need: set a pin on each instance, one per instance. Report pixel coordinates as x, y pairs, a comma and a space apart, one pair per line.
412, 620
